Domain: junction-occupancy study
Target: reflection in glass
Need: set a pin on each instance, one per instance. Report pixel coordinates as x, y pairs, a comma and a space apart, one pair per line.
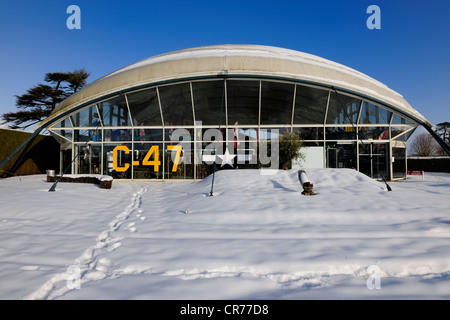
89, 158
341, 155
310, 105
65, 123
242, 102
176, 105
65, 133
209, 102
398, 133
399, 164
87, 117
117, 134
342, 109
276, 103
94, 135
374, 133
114, 112
148, 135
144, 108
340, 133
396, 119
373, 114
314, 133
373, 160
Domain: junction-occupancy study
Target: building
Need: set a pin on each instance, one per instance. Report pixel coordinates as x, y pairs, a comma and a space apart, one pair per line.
153, 119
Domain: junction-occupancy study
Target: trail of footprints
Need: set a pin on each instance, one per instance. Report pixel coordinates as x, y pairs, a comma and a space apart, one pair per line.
90, 265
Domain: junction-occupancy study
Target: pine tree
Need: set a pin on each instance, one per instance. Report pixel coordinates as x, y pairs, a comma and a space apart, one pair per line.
38, 102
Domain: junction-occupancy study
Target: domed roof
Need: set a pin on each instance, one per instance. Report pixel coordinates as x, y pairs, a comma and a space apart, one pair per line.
249, 60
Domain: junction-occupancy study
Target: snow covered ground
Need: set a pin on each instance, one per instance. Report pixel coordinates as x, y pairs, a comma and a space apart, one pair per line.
257, 238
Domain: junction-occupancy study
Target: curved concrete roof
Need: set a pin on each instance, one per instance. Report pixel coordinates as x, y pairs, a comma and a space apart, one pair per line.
251, 60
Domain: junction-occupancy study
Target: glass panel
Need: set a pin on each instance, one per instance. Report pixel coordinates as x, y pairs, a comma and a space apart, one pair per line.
310, 133
342, 109
174, 135
340, 133
88, 160
396, 119
399, 162
211, 134
374, 133
179, 161
117, 134
148, 161
148, 135
341, 155
176, 105
209, 100
65, 123
144, 108
86, 118
94, 135
373, 114
242, 102
282, 131
276, 103
67, 134
269, 134
374, 160
310, 105
242, 134
117, 160
114, 112
397, 133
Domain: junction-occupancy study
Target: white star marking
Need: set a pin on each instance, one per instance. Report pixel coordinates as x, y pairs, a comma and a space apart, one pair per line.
226, 158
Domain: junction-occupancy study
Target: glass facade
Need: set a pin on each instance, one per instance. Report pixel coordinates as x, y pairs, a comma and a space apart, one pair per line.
178, 131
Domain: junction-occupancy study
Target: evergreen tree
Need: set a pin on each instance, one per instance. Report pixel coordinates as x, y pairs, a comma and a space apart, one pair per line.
38, 102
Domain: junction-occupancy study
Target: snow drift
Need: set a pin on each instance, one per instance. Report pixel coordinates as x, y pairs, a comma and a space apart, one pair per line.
256, 238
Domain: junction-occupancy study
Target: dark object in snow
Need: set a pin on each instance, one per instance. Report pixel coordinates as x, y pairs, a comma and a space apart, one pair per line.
105, 182
305, 183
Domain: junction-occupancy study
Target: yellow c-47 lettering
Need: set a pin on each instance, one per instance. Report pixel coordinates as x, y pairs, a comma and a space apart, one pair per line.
156, 163
177, 156
115, 151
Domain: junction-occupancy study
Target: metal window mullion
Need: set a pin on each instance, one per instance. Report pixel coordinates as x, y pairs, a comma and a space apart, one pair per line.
293, 108
132, 154
192, 100
259, 106
164, 134
326, 115
101, 160
193, 115
99, 116
160, 107
129, 112
225, 91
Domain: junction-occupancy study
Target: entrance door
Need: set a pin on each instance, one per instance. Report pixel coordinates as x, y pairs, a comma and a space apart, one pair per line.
332, 158
374, 160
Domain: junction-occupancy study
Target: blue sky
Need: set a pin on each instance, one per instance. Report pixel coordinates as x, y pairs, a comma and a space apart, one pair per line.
410, 53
